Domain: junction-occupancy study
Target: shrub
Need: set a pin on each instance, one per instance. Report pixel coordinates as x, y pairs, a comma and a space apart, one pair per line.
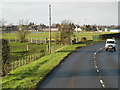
83, 39
5, 57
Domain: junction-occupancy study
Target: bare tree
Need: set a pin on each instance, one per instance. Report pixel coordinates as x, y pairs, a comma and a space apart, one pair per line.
22, 30
2, 23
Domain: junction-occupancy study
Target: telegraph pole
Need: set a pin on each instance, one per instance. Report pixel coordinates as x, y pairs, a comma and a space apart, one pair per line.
49, 28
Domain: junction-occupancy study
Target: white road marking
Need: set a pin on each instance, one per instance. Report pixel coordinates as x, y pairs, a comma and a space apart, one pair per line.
101, 81
95, 66
99, 76
97, 70
103, 86
95, 53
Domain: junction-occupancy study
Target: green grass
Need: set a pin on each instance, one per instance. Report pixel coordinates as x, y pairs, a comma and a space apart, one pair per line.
88, 35
44, 35
19, 50
28, 76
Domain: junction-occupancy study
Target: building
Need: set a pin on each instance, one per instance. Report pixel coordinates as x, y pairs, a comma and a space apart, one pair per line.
114, 30
78, 29
53, 29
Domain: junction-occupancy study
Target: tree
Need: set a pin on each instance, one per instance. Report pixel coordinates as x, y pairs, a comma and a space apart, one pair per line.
22, 31
57, 37
5, 57
2, 23
66, 30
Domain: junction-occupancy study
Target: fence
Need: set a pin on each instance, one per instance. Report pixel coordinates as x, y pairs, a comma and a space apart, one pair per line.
31, 40
31, 58
25, 60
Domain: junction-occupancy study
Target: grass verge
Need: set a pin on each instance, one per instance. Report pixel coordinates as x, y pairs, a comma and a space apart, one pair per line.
28, 76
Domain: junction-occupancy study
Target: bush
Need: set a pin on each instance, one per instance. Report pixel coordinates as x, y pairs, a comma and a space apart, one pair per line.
5, 57
83, 39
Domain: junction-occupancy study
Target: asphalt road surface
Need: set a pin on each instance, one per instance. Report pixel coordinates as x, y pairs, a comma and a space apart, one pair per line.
88, 67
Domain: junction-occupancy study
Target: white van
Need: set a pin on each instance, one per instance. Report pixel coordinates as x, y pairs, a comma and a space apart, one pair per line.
110, 45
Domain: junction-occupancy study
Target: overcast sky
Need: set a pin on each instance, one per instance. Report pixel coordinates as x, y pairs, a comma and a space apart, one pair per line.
79, 12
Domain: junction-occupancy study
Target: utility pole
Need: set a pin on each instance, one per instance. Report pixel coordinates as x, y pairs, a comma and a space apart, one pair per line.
49, 28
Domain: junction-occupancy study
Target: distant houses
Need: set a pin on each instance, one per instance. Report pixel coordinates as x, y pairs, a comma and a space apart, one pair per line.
56, 27
78, 29
115, 30
53, 29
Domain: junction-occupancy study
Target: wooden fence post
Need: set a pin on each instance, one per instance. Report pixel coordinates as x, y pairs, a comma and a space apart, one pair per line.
31, 40
28, 59
9, 39
36, 40
27, 48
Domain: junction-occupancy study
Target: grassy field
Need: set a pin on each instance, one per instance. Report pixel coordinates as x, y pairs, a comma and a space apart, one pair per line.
29, 75
19, 50
44, 35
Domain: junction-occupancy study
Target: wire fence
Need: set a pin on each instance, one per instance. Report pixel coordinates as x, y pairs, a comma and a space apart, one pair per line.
29, 39
26, 60
31, 58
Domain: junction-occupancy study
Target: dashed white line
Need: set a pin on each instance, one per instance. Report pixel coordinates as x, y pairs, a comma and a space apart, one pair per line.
95, 53
95, 66
97, 70
101, 81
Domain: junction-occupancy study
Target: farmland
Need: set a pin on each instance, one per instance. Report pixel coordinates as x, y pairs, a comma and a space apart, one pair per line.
44, 35
19, 50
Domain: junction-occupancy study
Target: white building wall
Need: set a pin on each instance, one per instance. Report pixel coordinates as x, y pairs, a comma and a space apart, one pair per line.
115, 30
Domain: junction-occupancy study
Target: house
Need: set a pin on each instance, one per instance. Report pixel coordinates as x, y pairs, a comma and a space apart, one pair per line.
78, 29
114, 30
53, 29
106, 29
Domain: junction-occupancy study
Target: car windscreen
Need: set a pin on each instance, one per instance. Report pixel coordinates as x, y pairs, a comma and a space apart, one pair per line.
112, 42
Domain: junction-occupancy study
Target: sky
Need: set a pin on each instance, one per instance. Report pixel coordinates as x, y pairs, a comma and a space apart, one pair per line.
99, 12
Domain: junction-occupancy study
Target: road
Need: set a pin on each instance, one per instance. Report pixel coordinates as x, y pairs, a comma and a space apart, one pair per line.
88, 67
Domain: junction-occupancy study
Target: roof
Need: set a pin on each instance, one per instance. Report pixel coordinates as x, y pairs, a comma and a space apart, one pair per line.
110, 40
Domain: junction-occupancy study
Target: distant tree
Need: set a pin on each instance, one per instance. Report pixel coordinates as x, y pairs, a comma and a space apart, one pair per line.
2, 23
88, 28
5, 57
58, 26
41, 26
22, 31
66, 30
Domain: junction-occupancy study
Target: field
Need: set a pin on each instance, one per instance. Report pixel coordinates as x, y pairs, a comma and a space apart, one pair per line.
29, 75
19, 50
44, 35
